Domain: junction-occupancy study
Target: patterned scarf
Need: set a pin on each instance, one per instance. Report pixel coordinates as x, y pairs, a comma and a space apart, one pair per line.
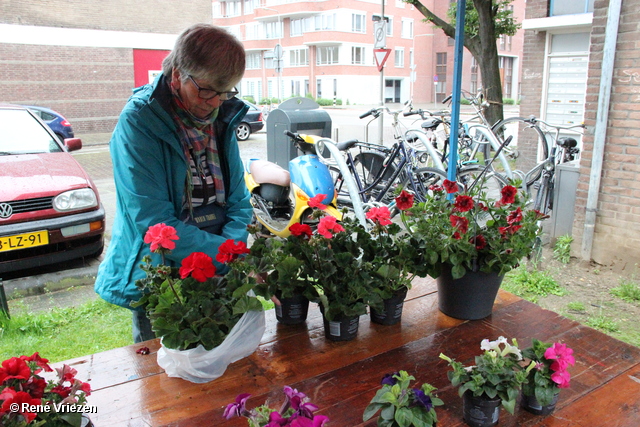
199, 137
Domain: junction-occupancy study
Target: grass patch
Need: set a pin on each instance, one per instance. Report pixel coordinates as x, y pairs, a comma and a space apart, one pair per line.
65, 333
531, 285
627, 291
602, 323
562, 249
576, 306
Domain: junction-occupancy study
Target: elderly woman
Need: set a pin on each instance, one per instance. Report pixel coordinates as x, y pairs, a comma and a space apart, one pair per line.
176, 161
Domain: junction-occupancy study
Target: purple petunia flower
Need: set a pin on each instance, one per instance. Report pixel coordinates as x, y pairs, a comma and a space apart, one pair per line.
237, 408
420, 398
389, 379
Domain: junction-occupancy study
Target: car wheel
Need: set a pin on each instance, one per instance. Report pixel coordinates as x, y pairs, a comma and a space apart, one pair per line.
243, 132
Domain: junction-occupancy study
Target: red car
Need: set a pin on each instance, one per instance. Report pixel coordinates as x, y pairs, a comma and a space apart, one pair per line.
50, 210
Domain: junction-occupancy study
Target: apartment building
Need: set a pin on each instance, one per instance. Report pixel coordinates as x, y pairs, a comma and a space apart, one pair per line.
326, 49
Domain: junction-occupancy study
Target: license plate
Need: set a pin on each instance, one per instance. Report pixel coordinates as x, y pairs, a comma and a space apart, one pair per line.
23, 241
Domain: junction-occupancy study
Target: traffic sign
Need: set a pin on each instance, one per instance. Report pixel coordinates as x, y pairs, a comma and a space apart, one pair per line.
381, 56
380, 34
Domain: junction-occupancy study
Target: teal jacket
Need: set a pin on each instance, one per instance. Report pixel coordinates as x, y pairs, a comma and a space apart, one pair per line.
149, 169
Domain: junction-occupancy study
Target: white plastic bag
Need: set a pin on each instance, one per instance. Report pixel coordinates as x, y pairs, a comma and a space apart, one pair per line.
200, 366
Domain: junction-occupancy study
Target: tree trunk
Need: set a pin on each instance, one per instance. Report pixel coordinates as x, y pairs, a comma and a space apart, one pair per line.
489, 63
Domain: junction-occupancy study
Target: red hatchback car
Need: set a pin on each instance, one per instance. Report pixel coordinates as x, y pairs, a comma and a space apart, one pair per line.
50, 210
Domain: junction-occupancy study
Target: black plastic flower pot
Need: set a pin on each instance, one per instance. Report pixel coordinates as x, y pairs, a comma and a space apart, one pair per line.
531, 404
342, 328
292, 311
480, 411
392, 309
470, 297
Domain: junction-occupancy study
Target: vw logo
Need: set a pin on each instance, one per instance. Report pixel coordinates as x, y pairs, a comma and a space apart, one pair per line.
5, 210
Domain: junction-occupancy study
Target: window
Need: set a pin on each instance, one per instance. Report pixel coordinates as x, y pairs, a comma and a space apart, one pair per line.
327, 55
399, 57
252, 31
441, 74
296, 27
474, 76
231, 8
298, 57
571, 7
407, 29
319, 89
358, 23
249, 6
254, 61
506, 66
324, 22
358, 55
273, 30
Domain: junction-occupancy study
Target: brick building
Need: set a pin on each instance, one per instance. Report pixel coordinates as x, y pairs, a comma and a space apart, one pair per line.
80, 58
83, 58
328, 50
567, 45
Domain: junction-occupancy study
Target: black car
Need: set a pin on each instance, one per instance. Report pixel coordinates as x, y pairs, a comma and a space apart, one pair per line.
251, 123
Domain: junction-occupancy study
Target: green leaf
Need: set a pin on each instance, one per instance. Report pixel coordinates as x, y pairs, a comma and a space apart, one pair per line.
404, 417
371, 410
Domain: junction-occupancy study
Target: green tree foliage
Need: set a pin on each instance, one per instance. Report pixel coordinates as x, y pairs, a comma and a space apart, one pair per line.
485, 22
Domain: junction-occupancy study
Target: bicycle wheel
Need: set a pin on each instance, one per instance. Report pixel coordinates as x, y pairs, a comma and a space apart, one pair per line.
525, 138
544, 196
489, 182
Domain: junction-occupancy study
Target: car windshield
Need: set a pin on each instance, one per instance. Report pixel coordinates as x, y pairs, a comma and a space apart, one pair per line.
20, 133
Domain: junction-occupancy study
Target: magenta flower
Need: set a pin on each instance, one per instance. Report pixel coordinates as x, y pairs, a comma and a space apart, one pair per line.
562, 355
237, 408
561, 378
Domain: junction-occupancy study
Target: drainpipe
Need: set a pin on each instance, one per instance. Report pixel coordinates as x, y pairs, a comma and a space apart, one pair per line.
600, 132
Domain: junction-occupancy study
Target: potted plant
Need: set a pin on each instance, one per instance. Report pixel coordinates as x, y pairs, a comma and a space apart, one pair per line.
27, 398
494, 380
391, 260
296, 410
402, 406
278, 264
205, 321
546, 375
467, 241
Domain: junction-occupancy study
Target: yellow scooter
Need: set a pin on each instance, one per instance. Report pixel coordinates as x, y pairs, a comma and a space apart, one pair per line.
280, 197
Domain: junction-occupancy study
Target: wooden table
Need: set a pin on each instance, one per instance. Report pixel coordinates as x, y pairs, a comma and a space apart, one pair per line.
342, 377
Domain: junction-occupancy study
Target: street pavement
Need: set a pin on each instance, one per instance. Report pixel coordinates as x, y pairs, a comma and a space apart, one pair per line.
41, 288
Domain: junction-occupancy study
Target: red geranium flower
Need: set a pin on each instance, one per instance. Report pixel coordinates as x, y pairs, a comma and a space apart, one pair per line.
508, 193
230, 251
404, 201
450, 186
300, 230
328, 225
316, 202
161, 236
199, 266
380, 216
457, 236
514, 216
459, 222
463, 203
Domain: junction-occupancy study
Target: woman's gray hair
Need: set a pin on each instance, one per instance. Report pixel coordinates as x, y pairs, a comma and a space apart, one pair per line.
207, 53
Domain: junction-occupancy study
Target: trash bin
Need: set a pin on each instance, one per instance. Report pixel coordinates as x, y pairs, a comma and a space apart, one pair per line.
564, 199
298, 115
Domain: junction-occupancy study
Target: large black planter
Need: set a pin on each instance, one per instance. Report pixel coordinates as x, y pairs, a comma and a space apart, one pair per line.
292, 311
392, 309
480, 411
531, 404
469, 297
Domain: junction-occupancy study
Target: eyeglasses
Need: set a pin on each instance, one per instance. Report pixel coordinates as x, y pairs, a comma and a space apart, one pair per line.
205, 93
